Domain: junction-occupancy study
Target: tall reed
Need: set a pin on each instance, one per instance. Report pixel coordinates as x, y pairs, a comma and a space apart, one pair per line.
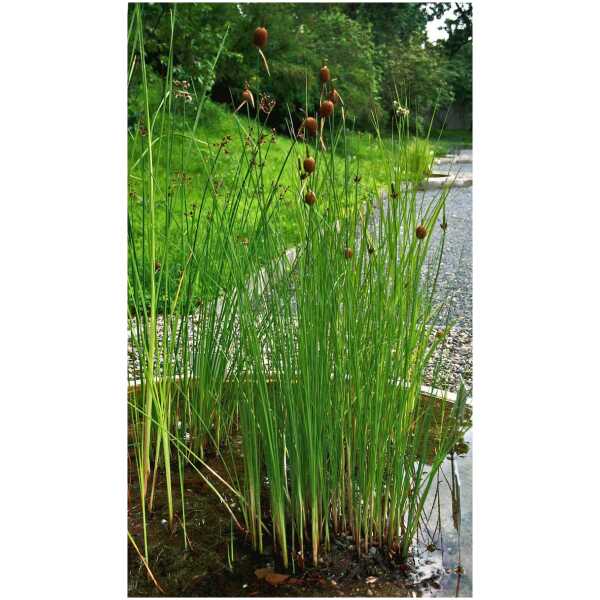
334, 421
316, 363
185, 256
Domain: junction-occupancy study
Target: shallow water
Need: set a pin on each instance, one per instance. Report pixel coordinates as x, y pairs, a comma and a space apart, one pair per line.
455, 545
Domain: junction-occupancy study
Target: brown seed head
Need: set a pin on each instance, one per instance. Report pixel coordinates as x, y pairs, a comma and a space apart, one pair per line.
334, 96
310, 123
261, 35
421, 232
326, 108
267, 103
310, 198
348, 252
309, 164
248, 97
324, 74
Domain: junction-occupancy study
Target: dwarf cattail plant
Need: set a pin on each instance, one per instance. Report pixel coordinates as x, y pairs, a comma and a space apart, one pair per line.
310, 198
332, 417
334, 97
248, 97
261, 35
310, 360
260, 38
310, 124
187, 253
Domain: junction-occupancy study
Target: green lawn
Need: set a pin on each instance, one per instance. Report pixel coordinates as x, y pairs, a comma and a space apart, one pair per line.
185, 166
447, 141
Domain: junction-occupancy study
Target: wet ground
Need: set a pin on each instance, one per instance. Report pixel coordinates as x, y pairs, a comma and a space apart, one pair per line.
219, 562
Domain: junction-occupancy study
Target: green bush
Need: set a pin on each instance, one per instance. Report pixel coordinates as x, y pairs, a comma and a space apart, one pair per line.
373, 52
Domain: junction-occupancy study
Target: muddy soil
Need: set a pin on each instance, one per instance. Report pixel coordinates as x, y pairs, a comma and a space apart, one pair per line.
218, 560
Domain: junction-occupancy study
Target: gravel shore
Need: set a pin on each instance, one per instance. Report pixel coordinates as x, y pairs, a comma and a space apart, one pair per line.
456, 283
453, 359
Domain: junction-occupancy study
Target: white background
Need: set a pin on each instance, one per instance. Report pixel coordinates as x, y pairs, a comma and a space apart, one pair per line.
63, 291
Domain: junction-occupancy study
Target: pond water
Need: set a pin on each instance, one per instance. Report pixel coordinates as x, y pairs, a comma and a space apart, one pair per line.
455, 543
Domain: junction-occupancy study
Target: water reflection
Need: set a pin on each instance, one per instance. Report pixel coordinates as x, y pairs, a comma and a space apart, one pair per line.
446, 534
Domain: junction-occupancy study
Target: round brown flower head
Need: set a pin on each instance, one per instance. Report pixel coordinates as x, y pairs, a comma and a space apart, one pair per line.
324, 74
326, 108
309, 164
310, 198
348, 253
261, 35
248, 97
334, 96
310, 123
421, 232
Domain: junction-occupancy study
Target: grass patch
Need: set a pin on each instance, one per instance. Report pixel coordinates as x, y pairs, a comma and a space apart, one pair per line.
186, 164
447, 141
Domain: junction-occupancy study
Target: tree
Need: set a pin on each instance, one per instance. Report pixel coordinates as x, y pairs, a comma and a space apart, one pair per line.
458, 48
302, 38
373, 52
458, 23
410, 69
417, 75
391, 23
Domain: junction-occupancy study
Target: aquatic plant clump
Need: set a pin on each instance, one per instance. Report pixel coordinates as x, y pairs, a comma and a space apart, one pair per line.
313, 364
185, 257
332, 416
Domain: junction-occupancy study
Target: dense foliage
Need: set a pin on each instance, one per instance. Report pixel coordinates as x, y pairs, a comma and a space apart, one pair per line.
376, 52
